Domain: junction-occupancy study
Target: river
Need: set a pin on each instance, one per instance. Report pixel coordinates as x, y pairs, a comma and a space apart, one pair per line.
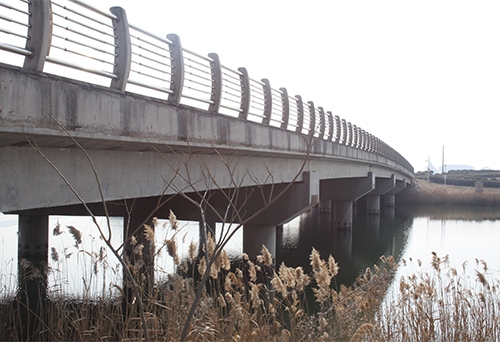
464, 233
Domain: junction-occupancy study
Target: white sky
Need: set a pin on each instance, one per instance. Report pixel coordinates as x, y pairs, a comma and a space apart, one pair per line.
417, 74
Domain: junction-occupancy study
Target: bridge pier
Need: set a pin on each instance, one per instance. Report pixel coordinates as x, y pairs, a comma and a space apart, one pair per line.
382, 186
33, 251
254, 236
342, 213
343, 192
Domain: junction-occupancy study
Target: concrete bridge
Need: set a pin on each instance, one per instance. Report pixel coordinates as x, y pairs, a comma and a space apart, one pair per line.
143, 123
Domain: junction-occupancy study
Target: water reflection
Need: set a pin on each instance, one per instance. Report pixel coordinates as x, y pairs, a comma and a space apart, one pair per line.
354, 250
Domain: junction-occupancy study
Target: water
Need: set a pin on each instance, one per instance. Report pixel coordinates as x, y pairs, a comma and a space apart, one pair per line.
465, 234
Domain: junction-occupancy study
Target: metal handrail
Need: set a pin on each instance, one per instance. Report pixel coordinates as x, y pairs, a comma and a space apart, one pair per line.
163, 65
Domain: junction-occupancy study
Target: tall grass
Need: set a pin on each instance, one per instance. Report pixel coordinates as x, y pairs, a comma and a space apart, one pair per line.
426, 193
254, 300
443, 304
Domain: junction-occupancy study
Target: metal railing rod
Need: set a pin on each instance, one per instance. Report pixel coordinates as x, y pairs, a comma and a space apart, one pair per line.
151, 59
79, 67
83, 25
229, 69
198, 90
233, 81
149, 43
93, 9
198, 76
231, 75
2, 4
82, 34
150, 76
254, 80
82, 54
231, 108
151, 51
83, 15
84, 45
191, 67
226, 86
194, 61
149, 34
255, 99
208, 59
152, 68
149, 86
197, 99
13, 33
231, 100
15, 49
13, 21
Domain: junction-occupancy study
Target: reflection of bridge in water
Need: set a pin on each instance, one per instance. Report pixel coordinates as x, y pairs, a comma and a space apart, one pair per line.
166, 129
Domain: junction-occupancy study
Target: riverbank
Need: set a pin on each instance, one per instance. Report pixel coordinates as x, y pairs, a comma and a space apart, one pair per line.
422, 192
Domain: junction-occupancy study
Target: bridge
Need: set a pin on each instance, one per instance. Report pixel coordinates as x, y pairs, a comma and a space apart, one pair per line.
94, 110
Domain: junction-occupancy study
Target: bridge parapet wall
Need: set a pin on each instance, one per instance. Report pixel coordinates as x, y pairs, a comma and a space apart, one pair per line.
124, 57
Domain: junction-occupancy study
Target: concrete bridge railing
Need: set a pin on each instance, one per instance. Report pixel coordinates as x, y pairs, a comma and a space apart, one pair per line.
102, 47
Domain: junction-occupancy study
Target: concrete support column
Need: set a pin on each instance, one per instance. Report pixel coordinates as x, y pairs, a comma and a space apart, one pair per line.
373, 204
254, 236
33, 252
342, 214
390, 200
325, 206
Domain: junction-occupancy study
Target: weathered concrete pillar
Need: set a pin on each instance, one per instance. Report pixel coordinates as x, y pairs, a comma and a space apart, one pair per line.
325, 206
373, 204
33, 251
343, 192
342, 214
382, 186
254, 236
390, 200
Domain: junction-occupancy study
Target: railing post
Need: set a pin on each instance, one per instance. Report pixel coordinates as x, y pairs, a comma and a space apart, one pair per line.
39, 34
300, 113
355, 137
344, 132
177, 69
349, 129
363, 140
312, 118
330, 128
338, 129
268, 102
216, 83
123, 49
245, 93
285, 100
322, 125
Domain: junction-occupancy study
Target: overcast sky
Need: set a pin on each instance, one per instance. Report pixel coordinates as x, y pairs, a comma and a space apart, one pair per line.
417, 74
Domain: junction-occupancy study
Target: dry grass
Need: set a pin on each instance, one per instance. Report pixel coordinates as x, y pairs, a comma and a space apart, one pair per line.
441, 304
251, 301
423, 192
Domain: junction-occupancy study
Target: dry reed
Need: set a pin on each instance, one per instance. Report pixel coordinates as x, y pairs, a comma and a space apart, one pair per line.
250, 301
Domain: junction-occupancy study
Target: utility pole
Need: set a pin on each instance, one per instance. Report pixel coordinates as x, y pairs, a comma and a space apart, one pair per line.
443, 169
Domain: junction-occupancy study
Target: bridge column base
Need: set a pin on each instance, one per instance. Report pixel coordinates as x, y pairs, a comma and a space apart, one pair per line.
342, 214
390, 200
373, 205
33, 256
325, 206
254, 236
